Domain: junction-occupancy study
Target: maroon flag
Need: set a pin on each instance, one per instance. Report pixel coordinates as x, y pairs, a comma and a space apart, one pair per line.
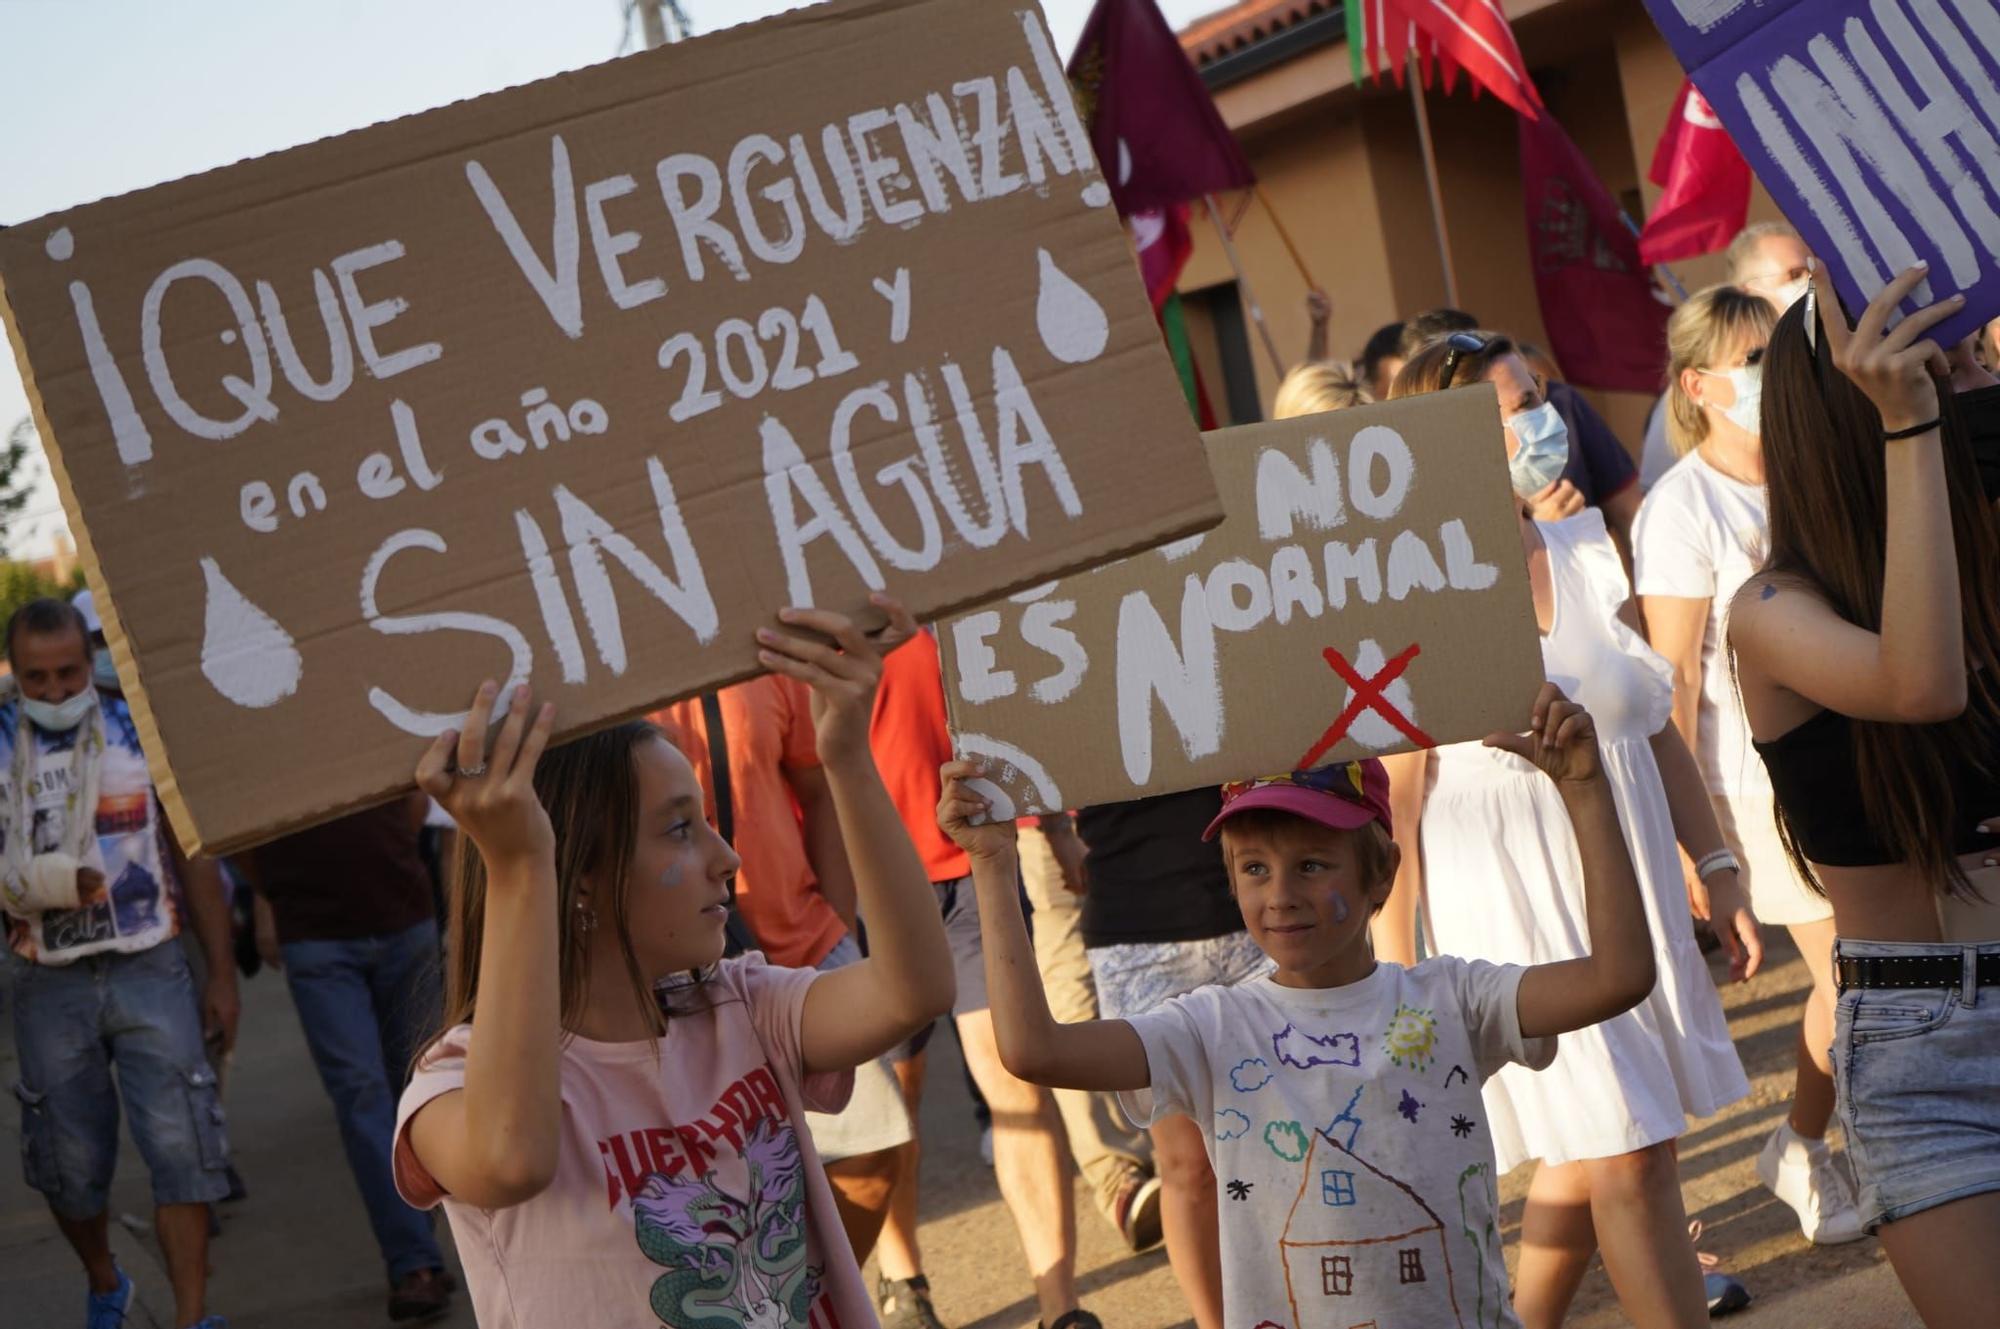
1159, 139
1705, 184
1606, 324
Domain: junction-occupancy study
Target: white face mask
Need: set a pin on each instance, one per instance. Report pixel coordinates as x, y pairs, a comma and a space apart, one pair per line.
1748, 380
1544, 451
1791, 293
59, 717
102, 671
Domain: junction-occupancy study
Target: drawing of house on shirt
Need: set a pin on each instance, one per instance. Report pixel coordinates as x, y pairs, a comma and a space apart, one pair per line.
1360, 1247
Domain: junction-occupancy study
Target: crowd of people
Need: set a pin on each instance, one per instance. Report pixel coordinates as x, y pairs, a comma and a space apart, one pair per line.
646, 1013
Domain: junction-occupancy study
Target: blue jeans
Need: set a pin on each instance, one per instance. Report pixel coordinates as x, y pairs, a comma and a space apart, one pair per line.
73, 1024
365, 1004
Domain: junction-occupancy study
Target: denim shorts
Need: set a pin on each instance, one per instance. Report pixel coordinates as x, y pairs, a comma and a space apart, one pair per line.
1917, 1078
72, 1024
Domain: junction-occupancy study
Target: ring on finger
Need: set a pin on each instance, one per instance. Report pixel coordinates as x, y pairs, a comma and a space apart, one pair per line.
473, 772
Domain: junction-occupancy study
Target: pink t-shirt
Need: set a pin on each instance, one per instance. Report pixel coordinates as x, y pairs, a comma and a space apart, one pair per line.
686, 1191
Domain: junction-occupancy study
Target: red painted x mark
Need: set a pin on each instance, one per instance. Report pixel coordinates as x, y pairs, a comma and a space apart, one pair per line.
1368, 696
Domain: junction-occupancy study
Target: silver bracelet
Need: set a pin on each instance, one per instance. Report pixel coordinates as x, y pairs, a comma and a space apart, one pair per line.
1716, 860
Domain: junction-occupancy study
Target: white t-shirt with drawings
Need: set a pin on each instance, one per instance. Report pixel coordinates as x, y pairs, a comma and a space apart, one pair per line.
1354, 1175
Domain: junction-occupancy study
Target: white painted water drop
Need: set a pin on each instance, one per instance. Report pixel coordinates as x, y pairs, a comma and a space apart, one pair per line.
1096, 194
1124, 163
1072, 323
245, 655
1039, 790
60, 244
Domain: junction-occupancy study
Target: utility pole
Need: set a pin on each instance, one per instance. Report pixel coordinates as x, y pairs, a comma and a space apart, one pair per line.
662, 21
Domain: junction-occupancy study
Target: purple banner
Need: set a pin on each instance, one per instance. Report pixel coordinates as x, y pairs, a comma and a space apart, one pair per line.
1875, 124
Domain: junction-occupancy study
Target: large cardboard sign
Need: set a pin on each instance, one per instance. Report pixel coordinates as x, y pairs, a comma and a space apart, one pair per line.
1366, 593
1875, 124
577, 383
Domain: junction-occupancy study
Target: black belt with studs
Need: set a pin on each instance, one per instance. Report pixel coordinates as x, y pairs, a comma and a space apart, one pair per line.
1914, 971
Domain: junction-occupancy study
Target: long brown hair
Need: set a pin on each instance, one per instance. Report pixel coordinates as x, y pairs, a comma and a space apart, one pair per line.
1824, 465
590, 787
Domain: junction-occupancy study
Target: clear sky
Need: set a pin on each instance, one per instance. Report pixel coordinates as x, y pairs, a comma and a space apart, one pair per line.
100, 97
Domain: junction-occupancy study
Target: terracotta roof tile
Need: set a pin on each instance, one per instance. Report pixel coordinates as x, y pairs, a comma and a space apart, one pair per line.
1244, 23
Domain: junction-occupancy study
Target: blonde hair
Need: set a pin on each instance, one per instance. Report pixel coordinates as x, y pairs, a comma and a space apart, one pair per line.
1710, 322
1748, 240
1319, 385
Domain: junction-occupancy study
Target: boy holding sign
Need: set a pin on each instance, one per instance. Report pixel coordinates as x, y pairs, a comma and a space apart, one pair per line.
1343, 1092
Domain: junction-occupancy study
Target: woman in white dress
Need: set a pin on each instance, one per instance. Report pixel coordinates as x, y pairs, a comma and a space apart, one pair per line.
1701, 534
1493, 864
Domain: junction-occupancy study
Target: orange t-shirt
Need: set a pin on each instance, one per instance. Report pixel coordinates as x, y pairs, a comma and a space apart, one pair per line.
911, 739
767, 723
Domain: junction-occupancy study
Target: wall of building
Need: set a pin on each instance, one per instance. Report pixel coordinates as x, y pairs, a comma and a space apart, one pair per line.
1342, 167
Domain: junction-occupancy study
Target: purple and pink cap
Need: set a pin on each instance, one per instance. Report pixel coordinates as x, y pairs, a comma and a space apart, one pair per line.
1343, 797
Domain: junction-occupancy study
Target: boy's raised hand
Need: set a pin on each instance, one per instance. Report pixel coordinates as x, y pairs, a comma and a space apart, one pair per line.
491, 796
1561, 739
843, 675
960, 806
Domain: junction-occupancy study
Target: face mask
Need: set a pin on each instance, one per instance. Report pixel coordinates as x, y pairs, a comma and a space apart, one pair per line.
1544, 451
60, 717
102, 671
1791, 293
1748, 380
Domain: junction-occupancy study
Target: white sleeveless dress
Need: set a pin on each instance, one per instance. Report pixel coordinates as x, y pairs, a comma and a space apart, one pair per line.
1503, 882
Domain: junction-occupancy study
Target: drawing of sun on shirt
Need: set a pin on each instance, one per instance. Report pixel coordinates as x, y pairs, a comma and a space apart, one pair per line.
732, 1260
1357, 1242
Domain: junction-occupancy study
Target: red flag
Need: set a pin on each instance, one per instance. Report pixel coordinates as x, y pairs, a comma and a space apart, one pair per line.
1457, 35
1161, 237
1606, 324
1159, 139
1706, 184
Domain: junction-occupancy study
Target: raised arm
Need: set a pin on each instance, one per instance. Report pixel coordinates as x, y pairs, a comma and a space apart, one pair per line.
1394, 929
1913, 670
494, 1142
1618, 973
826, 847
1091, 1054
862, 1010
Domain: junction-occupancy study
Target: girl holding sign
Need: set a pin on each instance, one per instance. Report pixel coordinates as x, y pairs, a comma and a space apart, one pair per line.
612, 1117
1868, 650
1495, 862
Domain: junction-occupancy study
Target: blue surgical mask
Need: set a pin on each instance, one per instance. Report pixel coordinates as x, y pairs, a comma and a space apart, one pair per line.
102, 671
1748, 380
1544, 451
59, 717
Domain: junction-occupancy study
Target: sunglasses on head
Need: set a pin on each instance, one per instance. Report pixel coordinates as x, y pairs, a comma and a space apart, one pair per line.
1457, 346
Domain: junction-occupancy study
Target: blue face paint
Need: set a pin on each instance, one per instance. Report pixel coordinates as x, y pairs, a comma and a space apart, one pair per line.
1339, 909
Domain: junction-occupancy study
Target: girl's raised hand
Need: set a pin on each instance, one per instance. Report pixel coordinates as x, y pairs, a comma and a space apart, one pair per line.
843, 676
960, 807
491, 796
1898, 369
1561, 739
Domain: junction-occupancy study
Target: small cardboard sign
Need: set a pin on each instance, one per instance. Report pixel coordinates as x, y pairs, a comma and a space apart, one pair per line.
1875, 124
1365, 594
577, 383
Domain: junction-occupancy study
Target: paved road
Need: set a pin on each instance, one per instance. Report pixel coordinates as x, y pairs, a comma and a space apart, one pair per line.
297, 1254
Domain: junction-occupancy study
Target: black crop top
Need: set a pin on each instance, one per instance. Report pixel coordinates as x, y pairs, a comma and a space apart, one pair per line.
1813, 775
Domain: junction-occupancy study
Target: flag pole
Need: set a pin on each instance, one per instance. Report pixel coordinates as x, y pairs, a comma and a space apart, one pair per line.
1243, 285
1673, 282
1431, 182
1298, 260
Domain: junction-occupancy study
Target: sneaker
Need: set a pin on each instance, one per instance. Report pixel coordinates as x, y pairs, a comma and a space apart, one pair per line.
422, 1295
106, 1310
1725, 1294
1136, 1211
1801, 1172
905, 1303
